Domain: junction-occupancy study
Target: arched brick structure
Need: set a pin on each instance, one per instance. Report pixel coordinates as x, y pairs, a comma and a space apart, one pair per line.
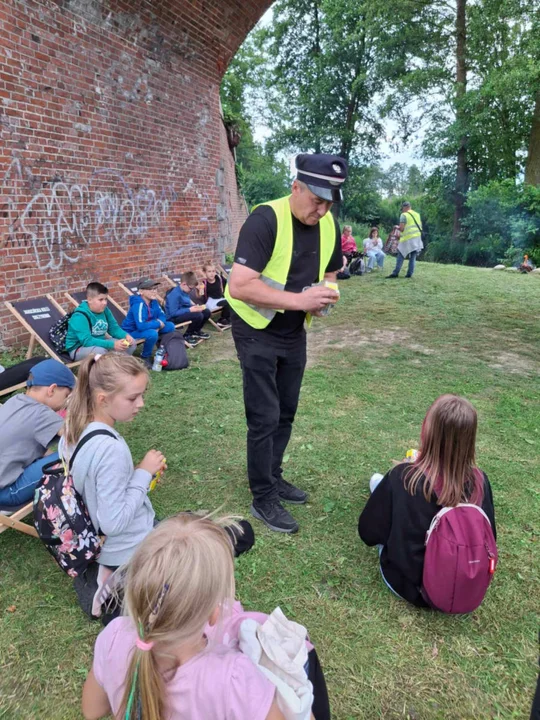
114, 161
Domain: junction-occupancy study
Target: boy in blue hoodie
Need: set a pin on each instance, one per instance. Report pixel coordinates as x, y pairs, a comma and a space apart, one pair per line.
146, 319
179, 307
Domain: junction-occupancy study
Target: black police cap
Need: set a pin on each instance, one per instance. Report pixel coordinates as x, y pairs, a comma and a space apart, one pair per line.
323, 174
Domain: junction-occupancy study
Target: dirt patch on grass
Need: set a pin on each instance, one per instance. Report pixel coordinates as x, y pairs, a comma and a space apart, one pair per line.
222, 347
369, 344
515, 364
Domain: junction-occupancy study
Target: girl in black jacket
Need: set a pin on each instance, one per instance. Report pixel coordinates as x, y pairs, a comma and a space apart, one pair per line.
405, 501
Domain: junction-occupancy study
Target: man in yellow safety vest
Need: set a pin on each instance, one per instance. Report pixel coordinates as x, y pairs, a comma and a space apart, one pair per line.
286, 250
410, 241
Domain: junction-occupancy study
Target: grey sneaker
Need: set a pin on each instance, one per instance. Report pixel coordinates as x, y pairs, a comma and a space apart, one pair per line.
274, 516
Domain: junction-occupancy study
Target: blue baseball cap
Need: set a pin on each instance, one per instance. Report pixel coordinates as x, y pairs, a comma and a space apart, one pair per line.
51, 372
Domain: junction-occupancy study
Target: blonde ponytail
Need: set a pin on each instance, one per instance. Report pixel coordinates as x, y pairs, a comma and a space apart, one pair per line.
176, 579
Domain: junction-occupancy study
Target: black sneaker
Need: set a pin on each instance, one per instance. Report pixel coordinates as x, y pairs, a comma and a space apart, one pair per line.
147, 361
223, 324
191, 340
201, 335
274, 516
291, 494
391, 277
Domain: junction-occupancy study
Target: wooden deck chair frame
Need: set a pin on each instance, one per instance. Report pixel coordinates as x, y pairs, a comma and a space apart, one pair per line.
34, 336
161, 300
110, 300
14, 521
217, 311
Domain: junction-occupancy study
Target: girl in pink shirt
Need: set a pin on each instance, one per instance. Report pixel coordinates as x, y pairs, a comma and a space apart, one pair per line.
158, 662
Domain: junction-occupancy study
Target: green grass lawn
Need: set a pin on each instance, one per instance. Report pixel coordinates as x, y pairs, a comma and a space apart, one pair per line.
376, 364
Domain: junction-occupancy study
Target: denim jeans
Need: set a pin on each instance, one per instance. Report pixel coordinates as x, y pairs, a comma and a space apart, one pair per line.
375, 256
22, 490
151, 337
400, 260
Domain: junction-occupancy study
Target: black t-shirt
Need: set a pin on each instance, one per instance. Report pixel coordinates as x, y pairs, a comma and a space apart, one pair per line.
254, 250
398, 520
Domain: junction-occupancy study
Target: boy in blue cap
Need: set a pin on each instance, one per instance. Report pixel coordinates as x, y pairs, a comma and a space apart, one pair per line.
146, 319
30, 424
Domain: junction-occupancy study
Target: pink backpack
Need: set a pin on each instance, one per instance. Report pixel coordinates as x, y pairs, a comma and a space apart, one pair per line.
461, 556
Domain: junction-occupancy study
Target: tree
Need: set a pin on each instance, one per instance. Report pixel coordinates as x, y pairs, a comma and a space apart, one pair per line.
322, 77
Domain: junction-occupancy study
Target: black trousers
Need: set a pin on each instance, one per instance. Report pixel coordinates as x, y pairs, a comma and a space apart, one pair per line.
272, 379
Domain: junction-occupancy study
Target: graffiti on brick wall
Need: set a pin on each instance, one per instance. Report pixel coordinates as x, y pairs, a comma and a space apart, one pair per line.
61, 219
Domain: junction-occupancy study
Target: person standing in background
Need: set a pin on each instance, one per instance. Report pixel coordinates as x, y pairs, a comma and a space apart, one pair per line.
410, 242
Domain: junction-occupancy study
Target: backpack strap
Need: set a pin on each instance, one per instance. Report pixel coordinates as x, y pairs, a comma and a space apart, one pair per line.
84, 440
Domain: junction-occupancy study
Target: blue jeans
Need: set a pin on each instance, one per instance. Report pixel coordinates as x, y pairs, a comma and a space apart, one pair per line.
22, 490
400, 260
151, 337
375, 256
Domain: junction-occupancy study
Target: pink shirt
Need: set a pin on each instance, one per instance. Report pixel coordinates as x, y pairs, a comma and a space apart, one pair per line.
220, 683
348, 244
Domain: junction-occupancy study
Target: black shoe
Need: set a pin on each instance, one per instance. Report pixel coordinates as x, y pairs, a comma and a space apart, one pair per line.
408, 276
191, 340
274, 516
291, 494
200, 335
147, 361
223, 324
391, 277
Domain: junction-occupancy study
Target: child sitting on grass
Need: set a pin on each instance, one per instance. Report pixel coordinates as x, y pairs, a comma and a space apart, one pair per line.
30, 423
179, 308
146, 319
403, 503
92, 328
110, 389
174, 655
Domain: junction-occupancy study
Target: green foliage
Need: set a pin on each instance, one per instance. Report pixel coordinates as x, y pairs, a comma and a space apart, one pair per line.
322, 77
261, 175
504, 215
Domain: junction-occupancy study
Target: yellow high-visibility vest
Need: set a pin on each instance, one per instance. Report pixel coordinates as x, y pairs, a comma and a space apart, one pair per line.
275, 274
411, 229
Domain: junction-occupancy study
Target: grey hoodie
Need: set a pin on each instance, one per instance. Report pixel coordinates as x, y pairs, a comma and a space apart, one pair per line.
114, 493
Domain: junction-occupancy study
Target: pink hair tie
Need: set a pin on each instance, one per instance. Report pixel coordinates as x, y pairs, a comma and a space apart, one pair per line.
144, 646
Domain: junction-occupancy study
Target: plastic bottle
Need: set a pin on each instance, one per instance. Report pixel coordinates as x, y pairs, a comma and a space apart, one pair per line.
158, 359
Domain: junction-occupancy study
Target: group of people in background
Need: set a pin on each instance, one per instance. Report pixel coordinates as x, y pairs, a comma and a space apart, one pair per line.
404, 241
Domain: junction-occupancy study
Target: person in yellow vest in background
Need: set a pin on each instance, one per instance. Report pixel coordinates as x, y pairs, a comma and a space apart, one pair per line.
410, 242
287, 249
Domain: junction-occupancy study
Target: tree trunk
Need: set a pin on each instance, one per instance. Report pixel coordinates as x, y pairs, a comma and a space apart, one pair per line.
532, 169
462, 170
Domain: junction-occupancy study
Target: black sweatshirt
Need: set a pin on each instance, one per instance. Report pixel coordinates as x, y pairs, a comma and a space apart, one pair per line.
399, 521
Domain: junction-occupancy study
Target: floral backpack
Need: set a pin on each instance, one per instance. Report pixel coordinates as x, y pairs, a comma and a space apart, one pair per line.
62, 519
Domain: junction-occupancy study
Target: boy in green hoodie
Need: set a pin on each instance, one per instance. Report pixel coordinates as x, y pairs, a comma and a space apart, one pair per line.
92, 328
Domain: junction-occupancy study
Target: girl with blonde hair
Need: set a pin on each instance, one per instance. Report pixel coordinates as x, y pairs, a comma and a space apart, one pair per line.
404, 502
157, 662
110, 388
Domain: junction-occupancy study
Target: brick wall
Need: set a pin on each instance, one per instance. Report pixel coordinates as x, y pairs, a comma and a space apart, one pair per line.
114, 161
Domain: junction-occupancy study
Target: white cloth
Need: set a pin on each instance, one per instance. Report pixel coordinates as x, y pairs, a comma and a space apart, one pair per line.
278, 648
213, 303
